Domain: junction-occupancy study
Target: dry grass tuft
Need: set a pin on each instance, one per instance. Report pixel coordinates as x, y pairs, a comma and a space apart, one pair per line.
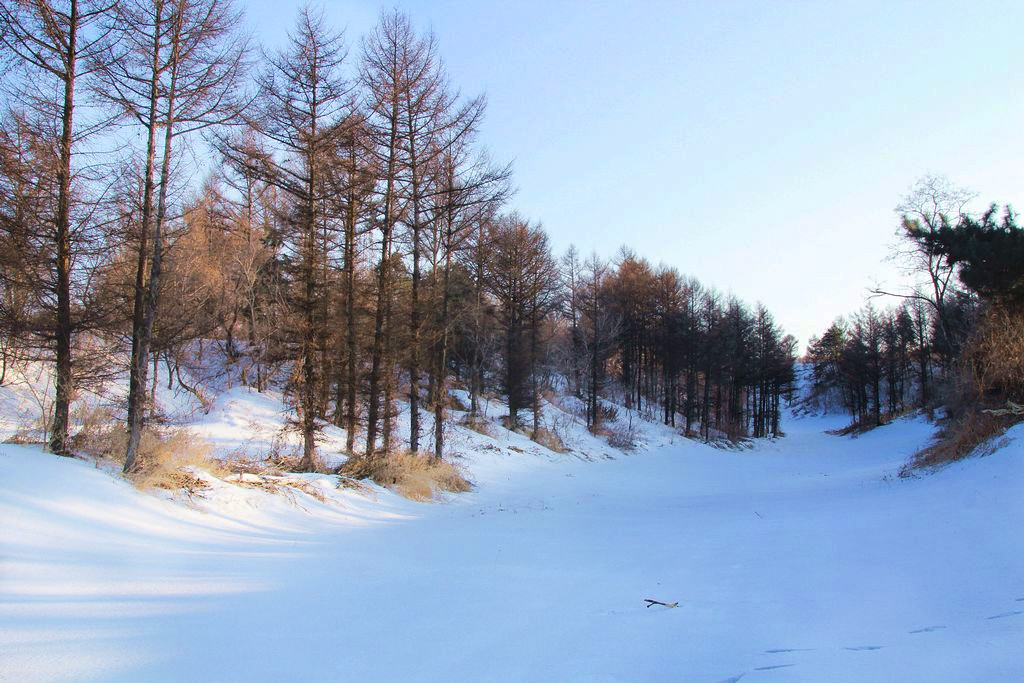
293, 463
853, 429
278, 485
275, 474
175, 460
478, 424
171, 460
549, 439
959, 438
414, 476
307, 487
101, 435
350, 484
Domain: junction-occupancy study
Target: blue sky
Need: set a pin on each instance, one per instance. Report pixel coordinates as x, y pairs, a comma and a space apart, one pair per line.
758, 146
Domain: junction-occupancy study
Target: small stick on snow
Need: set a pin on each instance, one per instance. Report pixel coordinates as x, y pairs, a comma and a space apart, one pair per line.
651, 603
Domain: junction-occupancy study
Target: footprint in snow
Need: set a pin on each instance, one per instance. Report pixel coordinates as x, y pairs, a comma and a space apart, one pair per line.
1006, 614
782, 650
773, 666
927, 629
864, 648
733, 679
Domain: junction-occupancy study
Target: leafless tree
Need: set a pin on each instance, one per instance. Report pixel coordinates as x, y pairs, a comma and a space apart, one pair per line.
305, 118
176, 67
53, 45
469, 190
522, 275
933, 202
599, 329
386, 57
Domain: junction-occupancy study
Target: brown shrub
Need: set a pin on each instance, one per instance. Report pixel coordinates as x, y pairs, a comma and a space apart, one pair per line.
993, 359
26, 436
990, 374
959, 438
621, 437
412, 475
101, 436
506, 422
455, 403
32, 431
607, 412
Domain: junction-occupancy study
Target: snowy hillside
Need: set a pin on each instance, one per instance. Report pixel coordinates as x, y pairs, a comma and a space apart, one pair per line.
800, 559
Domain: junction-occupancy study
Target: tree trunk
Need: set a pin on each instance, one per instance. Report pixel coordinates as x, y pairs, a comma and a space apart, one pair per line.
156, 265
383, 288
534, 385
139, 364
350, 314
64, 380
440, 387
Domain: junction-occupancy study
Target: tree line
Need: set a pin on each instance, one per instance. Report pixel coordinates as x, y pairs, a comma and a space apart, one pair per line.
350, 239
676, 349
953, 340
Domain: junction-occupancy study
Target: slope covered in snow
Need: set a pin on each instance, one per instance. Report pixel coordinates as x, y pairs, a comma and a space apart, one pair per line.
800, 559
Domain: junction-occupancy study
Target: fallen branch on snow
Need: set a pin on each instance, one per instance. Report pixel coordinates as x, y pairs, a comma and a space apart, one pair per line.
1010, 409
651, 603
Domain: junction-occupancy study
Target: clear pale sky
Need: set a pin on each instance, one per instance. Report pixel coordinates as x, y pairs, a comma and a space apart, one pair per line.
760, 146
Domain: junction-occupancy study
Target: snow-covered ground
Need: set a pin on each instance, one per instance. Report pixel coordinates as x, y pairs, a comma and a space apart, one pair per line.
799, 559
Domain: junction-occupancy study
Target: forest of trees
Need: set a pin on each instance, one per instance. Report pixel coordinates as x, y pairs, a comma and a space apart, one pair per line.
325, 219
878, 363
955, 339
